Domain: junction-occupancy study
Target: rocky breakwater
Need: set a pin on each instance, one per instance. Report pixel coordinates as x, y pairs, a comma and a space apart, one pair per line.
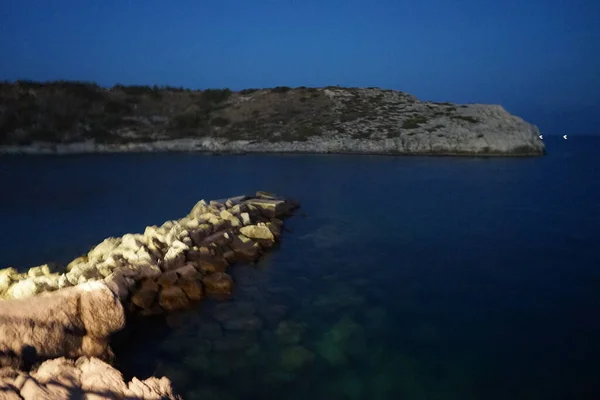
50, 312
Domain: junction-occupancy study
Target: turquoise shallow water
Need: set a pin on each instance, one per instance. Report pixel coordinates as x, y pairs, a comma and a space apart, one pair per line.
412, 278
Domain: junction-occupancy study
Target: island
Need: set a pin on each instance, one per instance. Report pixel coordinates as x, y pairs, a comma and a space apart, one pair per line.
64, 117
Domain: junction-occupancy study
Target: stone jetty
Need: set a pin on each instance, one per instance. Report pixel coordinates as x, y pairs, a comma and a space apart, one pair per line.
64, 317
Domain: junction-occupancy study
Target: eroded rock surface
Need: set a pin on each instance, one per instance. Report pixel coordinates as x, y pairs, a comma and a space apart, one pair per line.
84, 378
73, 322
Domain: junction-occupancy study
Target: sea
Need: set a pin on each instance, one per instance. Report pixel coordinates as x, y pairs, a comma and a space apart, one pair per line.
399, 277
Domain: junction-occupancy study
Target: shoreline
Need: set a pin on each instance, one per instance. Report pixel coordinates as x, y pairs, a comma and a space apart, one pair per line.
216, 148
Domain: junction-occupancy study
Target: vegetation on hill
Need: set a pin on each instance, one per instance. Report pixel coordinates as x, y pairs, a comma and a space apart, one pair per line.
68, 111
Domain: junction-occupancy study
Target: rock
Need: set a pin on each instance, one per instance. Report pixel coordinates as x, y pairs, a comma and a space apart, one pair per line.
200, 208
337, 343
274, 228
235, 341
132, 241
218, 239
152, 389
173, 298
42, 270
273, 313
229, 255
188, 271
209, 330
296, 357
289, 332
245, 249
146, 295
226, 311
75, 262
103, 250
63, 379
174, 258
71, 322
197, 362
243, 323
192, 288
233, 220
200, 233
269, 208
167, 279
138, 272
118, 283
267, 195
245, 218
257, 232
22, 289
211, 265
341, 296
83, 273
7, 277
47, 283
221, 225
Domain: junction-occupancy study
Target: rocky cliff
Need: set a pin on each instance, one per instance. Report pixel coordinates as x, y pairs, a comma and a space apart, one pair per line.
75, 117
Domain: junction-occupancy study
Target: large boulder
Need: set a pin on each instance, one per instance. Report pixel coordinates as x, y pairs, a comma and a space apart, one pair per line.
146, 295
192, 287
71, 322
173, 298
218, 284
261, 232
244, 248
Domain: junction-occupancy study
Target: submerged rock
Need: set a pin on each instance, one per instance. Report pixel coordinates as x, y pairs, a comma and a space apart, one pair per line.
243, 323
296, 357
218, 284
289, 332
273, 313
338, 343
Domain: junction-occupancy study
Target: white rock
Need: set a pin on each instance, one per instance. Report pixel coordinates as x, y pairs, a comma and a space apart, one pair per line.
22, 289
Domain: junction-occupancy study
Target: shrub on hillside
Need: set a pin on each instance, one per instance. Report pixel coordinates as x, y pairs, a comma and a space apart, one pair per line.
465, 118
281, 89
414, 122
215, 96
248, 91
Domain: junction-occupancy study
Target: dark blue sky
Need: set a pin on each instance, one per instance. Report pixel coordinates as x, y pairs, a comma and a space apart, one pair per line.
538, 58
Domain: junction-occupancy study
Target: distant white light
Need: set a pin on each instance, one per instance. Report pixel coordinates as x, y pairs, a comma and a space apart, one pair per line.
541, 136
565, 137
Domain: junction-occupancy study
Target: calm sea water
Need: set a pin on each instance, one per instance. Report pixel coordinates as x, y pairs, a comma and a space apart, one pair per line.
407, 278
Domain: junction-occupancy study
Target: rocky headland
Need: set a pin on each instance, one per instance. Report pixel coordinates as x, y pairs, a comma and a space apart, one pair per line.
76, 117
57, 322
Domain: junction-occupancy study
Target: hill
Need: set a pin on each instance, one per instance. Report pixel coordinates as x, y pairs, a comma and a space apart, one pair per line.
66, 116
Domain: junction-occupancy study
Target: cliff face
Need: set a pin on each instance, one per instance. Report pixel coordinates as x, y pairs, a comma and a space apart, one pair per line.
80, 117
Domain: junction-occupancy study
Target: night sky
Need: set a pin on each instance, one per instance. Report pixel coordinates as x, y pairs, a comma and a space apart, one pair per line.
540, 59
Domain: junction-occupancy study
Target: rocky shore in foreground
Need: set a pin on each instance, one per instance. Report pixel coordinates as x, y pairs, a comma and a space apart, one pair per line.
74, 118
65, 317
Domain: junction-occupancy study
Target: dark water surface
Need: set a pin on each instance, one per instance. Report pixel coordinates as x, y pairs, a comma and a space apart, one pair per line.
409, 278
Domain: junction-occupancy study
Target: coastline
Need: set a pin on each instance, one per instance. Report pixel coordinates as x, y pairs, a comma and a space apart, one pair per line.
215, 146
